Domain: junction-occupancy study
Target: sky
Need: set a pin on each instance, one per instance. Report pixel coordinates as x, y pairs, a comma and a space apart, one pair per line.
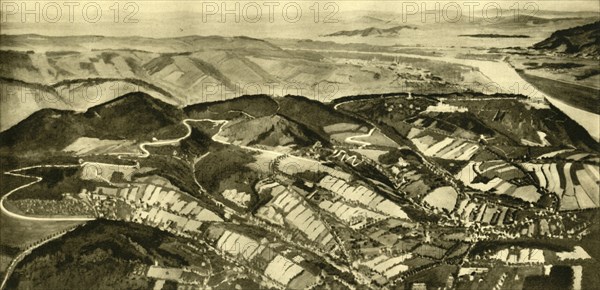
152, 6
385, 5
211, 17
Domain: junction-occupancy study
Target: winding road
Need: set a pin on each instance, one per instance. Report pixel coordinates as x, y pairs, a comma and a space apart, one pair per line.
17, 172
3, 209
144, 154
351, 139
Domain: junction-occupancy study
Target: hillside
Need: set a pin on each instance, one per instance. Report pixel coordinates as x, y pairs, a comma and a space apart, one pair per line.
16, 107
581, 40
313, 114
132, 116
253, 105
23, 99
271, 131
107, 254
506, 119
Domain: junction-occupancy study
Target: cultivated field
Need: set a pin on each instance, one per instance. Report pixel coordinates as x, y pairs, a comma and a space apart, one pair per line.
442, 198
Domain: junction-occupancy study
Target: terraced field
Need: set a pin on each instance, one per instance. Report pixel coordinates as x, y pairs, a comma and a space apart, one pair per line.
576, 184
498, 177
287, 207
352, 215
442, 147
272, 264
362, 195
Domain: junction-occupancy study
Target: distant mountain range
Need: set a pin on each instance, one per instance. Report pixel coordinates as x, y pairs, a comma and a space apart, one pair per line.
373, 31
493, 35
78, 72
64, 73
580, 40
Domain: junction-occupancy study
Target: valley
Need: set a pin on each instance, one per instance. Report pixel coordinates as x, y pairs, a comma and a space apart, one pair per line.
314, 177
370, 154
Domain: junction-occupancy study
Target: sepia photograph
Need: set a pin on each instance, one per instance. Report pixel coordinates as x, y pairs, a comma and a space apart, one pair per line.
307, 144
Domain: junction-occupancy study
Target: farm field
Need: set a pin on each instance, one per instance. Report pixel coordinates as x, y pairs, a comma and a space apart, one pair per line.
88, 146
469, 211
354, 216
387, 266
442, 198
